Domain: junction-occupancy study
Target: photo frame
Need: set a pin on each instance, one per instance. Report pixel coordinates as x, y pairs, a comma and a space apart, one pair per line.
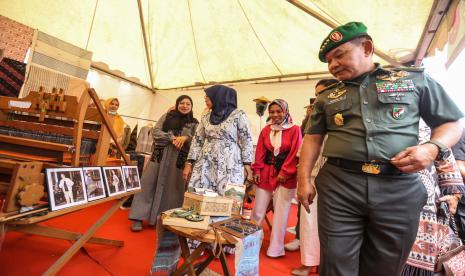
95, 185
114, 180
131, 177
66, 187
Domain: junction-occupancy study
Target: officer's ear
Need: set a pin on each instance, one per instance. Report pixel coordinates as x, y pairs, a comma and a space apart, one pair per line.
368, 47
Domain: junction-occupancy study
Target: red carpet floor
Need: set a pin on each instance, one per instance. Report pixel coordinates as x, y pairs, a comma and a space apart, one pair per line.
23, 254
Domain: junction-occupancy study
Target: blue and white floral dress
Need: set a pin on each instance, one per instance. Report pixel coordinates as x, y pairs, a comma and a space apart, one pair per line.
220, 152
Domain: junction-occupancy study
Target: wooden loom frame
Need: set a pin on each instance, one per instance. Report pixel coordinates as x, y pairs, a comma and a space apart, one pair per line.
27, 222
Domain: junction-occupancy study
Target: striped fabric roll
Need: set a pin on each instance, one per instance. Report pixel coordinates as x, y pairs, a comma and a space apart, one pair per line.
11, 77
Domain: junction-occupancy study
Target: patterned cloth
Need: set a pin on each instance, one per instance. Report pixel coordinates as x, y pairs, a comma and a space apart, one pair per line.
145, 140
433, 231
275, 135
167, 256
456, 264
219, 152
287, 121
11, 77
15, 38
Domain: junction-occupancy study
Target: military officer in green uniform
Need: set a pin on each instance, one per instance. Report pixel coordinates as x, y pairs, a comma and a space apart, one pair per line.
369, 194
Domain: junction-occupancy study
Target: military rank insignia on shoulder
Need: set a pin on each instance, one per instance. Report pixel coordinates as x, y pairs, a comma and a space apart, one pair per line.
331, 86
393, 76
339, 91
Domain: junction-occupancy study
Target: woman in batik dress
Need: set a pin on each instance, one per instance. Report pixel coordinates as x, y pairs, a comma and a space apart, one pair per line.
221, 150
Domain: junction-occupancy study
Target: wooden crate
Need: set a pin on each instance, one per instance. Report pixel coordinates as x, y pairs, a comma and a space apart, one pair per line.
182, 222
208, 206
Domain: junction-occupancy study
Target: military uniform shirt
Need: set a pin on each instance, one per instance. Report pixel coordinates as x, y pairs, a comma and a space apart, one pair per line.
376, 116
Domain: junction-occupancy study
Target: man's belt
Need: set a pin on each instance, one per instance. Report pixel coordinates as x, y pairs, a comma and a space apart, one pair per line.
374, 168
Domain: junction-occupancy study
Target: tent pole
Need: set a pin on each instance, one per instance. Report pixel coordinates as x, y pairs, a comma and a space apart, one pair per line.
333, 25
439, 10
147, 52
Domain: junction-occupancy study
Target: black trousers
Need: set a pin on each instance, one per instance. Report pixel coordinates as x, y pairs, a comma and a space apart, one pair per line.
367, 223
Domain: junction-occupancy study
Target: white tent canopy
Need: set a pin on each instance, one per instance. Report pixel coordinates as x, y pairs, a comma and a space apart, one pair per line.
195, 42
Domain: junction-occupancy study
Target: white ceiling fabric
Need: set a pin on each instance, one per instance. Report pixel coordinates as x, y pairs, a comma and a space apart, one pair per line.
193, 42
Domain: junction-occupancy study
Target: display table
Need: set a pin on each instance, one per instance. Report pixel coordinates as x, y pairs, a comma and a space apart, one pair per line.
206, 244
27, 223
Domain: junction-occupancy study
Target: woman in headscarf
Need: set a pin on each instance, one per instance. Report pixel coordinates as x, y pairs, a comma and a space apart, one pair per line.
275, 171
221, 151
112, 105
162, 183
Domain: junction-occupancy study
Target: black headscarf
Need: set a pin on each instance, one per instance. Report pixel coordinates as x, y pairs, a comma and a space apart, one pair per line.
224, 101
175, 120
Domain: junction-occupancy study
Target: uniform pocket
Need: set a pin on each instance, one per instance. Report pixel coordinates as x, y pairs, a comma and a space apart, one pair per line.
341, 107
394, 107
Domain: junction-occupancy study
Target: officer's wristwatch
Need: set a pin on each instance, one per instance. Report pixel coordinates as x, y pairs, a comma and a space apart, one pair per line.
444, 151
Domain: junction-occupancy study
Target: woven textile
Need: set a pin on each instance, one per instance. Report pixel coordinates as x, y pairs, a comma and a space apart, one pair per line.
11, 77
54, 63
15, 38
167, 255
433, 230
40, 77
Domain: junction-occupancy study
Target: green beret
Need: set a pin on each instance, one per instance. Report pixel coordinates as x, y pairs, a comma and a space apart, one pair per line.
341, 35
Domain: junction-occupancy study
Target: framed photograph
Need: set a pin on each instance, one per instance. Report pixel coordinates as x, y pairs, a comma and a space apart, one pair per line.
131, 177
65, 187
114, 180
93, 178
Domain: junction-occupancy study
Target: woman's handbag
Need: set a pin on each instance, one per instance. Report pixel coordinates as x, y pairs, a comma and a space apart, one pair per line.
452, 261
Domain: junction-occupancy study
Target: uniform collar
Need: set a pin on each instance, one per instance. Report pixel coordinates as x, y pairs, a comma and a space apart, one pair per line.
377, 71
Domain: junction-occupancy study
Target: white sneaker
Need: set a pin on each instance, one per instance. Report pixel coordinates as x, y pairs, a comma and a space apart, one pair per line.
292, 245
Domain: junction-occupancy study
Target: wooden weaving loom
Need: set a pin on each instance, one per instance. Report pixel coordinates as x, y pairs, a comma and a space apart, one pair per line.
23, 160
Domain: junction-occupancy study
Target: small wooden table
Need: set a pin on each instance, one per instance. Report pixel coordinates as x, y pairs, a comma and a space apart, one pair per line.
205, 246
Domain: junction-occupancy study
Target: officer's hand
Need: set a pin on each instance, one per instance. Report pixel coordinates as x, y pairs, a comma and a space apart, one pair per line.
256, 179
306, 193
414, 159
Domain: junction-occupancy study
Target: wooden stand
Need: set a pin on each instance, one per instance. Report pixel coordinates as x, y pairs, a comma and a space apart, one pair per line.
28, 225
188, 266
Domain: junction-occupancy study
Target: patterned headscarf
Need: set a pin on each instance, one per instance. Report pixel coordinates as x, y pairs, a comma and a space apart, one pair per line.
224, 101
287, 122
277, 130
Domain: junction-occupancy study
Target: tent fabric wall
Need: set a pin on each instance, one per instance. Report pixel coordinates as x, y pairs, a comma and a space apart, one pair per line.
195, 42
135, 101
